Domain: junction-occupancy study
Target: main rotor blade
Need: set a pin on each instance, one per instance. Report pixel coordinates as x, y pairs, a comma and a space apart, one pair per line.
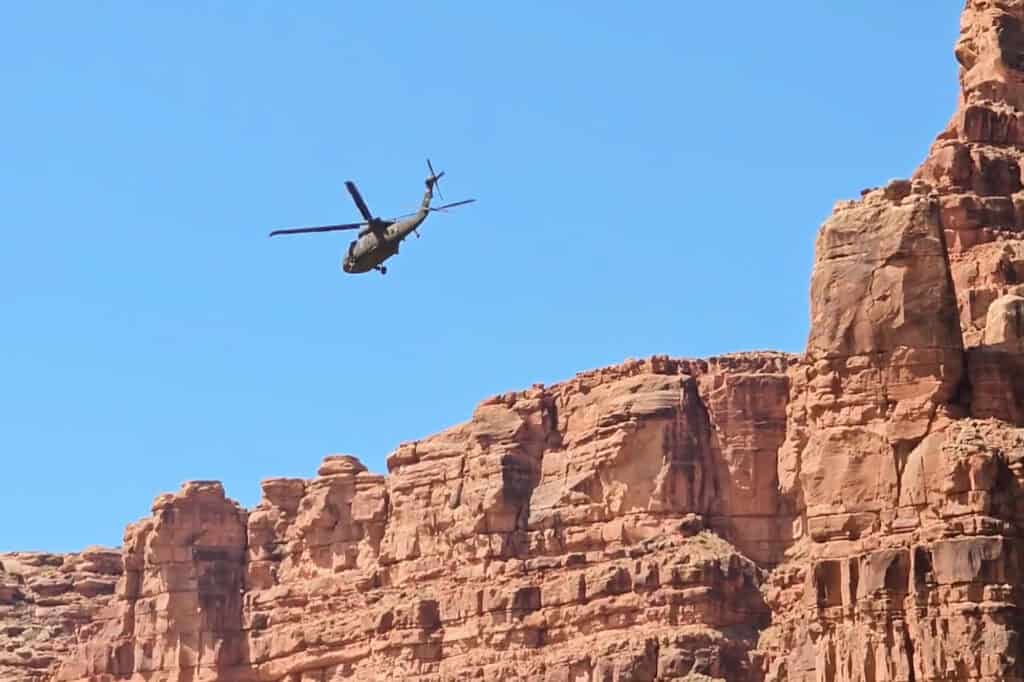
457, 203
325, 228
437, 208
358, 198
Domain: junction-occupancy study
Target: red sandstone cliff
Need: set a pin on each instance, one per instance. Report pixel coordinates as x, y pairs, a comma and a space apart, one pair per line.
600, 527
852, 514
902, 454
44, 601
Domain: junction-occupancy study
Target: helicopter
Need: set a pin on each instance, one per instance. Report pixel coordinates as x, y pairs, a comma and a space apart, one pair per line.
378, 239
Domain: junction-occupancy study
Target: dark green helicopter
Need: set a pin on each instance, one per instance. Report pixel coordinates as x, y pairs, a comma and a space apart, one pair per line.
378, 239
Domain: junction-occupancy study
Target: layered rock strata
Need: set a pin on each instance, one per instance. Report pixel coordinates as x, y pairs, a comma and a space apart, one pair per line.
45, 599
902, 454
974, 168
596, 529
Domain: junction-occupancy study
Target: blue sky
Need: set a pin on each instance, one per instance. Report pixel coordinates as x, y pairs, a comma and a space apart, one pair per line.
649, 181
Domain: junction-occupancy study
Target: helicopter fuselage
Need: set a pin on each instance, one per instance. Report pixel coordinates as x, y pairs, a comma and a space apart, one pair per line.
378, 239
378, 242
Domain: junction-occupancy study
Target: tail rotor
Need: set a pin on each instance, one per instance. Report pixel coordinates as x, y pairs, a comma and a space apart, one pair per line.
435, 179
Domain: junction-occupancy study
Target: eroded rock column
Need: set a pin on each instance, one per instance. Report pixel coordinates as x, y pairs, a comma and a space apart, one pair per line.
906, 555
178, 609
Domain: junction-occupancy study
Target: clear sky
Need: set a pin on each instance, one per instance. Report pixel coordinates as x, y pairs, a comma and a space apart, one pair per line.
650, 177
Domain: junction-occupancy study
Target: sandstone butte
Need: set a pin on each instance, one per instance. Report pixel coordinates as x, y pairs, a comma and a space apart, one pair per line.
850, 514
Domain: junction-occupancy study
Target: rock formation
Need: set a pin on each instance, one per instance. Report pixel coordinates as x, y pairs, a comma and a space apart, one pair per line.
606, 527
902, 453
849, 515
45, 600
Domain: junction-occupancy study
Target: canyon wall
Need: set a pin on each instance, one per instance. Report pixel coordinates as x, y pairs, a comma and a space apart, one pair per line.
610, 527
852, 514
45, 601
903, 453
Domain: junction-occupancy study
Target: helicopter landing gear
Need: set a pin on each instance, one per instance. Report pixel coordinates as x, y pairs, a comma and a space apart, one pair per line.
381, 269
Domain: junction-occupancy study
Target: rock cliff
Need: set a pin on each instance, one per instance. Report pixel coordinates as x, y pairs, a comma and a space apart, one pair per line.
852, 514
903, 453
614, 526
45, 600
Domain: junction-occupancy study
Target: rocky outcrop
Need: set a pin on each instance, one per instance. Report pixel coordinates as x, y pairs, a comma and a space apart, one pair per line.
178, 610
974, 168
934, 595
45, 599
902, 450
598, 529
850, 515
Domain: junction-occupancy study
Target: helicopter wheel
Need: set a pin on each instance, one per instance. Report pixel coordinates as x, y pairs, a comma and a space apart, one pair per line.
383, 270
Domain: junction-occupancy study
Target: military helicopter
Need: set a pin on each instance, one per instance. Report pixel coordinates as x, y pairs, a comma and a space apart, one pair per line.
378, 239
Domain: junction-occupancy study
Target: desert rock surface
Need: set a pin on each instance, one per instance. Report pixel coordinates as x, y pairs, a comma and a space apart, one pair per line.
45, 601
